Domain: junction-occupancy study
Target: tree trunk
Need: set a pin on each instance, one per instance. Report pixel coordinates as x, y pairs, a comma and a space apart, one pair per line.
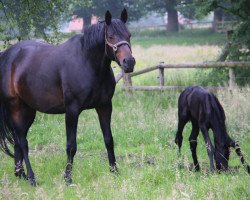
173, 24
218, 17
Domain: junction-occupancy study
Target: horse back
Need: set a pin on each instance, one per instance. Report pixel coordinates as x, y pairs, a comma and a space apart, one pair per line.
200, 105
48, 78
25, 75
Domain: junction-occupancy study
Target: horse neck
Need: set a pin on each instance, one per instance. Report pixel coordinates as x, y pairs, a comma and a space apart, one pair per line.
94, 45
220, 132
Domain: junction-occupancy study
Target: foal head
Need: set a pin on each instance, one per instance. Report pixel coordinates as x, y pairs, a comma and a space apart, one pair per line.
117, 41
221, 157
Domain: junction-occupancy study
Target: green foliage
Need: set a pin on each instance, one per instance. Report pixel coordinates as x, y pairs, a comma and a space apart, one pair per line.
239, 49
23, 19
99, 7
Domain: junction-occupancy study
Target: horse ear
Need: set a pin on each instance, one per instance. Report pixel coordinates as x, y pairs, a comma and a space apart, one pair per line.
124, 15
108, 17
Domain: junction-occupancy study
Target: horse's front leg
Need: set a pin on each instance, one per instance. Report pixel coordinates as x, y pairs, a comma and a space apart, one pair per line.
104, 113
71, 120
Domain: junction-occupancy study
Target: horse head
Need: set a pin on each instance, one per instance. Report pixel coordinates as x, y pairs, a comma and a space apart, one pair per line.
117, 41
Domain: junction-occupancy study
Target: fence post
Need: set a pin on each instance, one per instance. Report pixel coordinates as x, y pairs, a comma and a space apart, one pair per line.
161, 76
127, 81
231, 81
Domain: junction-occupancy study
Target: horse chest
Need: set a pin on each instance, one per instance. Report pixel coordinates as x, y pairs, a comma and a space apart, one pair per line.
103, 92
95, 93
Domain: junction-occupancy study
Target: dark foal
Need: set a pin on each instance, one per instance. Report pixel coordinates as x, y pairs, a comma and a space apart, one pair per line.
66, 78
203, 109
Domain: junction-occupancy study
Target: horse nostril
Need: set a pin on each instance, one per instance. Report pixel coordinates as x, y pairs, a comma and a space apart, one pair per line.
129, 62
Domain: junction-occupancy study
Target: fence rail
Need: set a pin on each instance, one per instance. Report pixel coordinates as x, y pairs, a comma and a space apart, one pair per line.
127, 77
219, 26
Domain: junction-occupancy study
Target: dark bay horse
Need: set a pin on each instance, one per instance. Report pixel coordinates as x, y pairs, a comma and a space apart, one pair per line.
68, 78
203, 109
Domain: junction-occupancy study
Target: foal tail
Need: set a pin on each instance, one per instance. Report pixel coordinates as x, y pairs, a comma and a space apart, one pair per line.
236, 146
6, 135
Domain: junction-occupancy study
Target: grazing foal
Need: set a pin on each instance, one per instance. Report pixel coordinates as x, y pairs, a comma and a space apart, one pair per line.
203, 109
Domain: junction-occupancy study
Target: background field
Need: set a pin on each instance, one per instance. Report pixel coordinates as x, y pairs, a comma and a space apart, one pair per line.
144, 126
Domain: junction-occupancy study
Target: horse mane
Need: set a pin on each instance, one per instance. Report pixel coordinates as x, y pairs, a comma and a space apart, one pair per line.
94, 34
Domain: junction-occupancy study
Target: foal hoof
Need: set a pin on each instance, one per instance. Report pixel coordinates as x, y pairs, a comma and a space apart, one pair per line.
248, 169
21, 175
32, 182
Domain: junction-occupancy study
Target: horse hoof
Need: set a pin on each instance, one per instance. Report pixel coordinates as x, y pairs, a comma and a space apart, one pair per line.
68, 180
197, 168
113, 169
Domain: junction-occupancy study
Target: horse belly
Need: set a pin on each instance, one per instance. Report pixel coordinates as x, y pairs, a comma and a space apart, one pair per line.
45, 102
43, 95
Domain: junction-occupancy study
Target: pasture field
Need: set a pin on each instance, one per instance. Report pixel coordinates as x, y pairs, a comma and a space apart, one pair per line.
144, 126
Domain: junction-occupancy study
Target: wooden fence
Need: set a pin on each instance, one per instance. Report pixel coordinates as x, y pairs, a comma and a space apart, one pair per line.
222, 26
127, 77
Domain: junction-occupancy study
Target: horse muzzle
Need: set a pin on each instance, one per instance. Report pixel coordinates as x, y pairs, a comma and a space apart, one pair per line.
128, 64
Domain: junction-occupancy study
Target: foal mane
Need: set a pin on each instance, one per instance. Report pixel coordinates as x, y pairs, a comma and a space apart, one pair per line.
218, 109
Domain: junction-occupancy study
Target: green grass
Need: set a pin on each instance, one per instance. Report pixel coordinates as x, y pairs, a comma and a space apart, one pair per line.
183, 38
143, 126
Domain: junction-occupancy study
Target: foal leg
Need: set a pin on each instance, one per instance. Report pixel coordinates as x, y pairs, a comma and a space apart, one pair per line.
178, 138
209, 146
193, 144
104, 114
71, 120
22, 117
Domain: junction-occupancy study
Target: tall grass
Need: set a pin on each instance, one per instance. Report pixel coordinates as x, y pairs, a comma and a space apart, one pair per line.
144, 126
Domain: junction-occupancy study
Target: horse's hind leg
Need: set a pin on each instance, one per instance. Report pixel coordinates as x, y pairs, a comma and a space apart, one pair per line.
21, 117
19, 170
193, 144
104, 114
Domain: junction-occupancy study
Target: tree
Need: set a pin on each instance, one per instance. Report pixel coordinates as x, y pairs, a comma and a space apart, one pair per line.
23, 18
136, 10
99, 7
169, 6
239, 49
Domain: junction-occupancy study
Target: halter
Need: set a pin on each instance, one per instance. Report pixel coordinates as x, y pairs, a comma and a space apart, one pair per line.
114, 46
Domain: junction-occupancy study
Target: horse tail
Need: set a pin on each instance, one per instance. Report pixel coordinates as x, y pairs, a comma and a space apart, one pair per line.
236, 146
6, 133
